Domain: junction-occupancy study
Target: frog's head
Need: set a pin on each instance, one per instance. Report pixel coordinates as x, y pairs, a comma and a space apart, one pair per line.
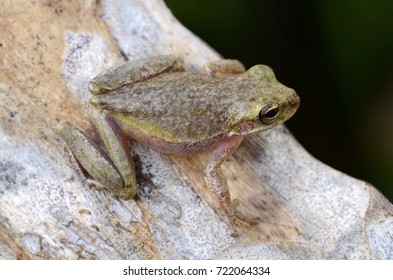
264, 103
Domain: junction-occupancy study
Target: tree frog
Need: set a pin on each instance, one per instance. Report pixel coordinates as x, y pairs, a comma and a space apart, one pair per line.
157, 103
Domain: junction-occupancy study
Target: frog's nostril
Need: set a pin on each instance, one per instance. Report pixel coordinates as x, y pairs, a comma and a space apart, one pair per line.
294, 101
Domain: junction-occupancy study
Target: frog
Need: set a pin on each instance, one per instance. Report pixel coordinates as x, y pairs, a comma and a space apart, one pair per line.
156, 102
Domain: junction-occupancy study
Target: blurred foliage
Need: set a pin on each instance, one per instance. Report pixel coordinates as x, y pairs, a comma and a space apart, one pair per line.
338, 55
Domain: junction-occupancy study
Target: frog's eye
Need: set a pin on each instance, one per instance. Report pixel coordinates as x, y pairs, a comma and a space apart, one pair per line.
268, 114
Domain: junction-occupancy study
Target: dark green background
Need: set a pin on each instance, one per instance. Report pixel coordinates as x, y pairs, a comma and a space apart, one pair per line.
337, 55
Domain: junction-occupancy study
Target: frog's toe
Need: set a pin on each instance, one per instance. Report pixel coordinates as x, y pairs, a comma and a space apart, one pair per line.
126, 194
242, 217
247, 219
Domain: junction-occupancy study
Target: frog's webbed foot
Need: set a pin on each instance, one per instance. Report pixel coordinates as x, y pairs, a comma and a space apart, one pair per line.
245, 218
232, 213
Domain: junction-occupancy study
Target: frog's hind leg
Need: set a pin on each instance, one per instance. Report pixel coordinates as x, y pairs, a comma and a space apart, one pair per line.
134, 71
90, 159
117, 147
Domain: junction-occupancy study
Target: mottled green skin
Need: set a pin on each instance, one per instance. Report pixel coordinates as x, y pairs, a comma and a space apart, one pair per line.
192, 108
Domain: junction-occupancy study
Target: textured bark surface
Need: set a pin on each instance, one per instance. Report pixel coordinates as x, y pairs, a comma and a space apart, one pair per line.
48, 52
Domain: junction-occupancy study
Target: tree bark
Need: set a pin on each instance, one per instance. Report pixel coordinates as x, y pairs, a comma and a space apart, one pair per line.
48, 52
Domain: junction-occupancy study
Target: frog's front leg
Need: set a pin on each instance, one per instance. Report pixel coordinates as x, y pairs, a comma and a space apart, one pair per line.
134, 71
218, 183
224, 68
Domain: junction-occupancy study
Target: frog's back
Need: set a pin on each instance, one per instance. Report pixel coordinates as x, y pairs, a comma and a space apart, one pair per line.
172, 107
